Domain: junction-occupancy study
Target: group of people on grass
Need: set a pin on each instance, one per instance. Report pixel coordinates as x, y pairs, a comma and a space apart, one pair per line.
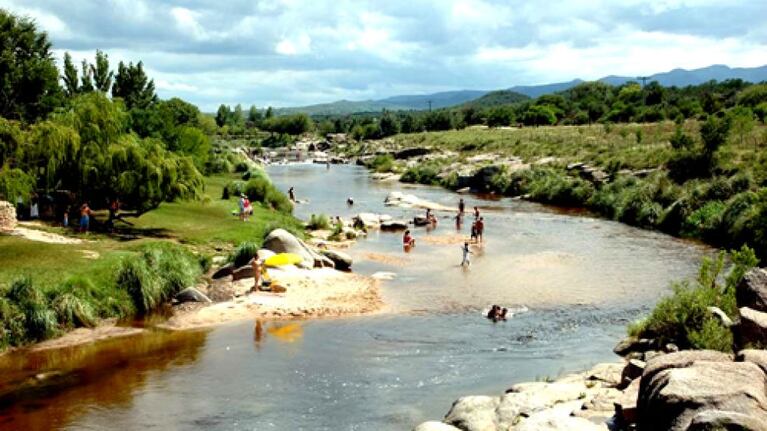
246, 208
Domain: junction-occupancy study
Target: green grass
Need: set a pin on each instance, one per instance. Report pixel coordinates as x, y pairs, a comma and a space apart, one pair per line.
133, 270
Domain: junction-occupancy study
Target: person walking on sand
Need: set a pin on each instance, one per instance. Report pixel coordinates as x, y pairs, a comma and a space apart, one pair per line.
480, 228
292, 195
85, 218
461, 206
466, 252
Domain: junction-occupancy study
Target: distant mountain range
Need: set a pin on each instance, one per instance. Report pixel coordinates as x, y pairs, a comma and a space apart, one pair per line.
676, 77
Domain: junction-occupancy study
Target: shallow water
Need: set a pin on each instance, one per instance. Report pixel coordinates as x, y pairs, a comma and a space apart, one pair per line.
581, 280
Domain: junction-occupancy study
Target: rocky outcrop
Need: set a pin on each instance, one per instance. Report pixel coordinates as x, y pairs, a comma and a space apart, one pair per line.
341, 260
369, 220
589, 173
224, 271
245, 271
751, 331
411, 152
394, 225
751, 292
411, 201
282, 241
7, 216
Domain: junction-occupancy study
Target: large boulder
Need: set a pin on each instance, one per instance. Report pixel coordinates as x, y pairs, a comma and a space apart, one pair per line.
751, 292
482, 179
341, 260
633, 344
719, 420
367, 220
755, 356
394, 225
752, 329
677, 387
245, 271
282, 241
474, 413
224, 271
190, 294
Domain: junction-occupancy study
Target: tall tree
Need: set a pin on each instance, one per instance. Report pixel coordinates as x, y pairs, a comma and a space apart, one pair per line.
102, 76
254, 116
237, 118
29, 80
133, 86
86, 79
70, 78
222, 115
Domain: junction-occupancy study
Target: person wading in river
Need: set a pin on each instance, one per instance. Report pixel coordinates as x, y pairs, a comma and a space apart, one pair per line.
461, 206
466, 252
480, 225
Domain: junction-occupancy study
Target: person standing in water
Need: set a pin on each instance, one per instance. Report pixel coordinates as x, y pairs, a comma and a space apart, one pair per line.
466, 252
480, 228
292, 195
408, 240
476, 212
461, 206
458, 220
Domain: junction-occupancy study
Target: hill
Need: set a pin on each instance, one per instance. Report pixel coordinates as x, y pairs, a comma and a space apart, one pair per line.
496, 98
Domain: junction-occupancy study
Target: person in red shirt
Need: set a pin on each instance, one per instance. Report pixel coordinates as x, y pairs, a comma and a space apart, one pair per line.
480, 228
408, 241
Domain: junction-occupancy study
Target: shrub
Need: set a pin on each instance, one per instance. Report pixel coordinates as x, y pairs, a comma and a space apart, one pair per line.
422, 174
317, 222
683, 317
244, 253
260, 189
160, 271
39, 320
382, 163
72, 311
704, 222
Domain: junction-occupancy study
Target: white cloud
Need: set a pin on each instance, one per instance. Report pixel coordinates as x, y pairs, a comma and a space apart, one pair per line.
301, 44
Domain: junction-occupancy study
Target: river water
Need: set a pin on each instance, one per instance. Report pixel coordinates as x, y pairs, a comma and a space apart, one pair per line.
574, 282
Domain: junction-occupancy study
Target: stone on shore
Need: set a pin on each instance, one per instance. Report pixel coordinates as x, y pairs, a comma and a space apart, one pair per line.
190, 294
245, 271
677, 387
752, 329
435, 426
282, 241
224, 271
751, 292
342, 261
755, 356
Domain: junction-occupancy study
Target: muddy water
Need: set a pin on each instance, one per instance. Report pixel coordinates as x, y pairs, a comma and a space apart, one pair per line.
575, 281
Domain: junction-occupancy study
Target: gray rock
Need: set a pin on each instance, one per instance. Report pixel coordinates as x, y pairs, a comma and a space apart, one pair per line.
633, 344
670, 398
751, 292
342, 261
224, 271
190, 294
243, 272
435, 426
718, 420
394, 225
682, 359
756, 356
473, 413
626, 405
282, 241
752, 329
721, 315
633, 370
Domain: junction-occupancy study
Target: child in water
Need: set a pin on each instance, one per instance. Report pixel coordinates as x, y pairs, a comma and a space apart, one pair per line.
408, 240
466, 253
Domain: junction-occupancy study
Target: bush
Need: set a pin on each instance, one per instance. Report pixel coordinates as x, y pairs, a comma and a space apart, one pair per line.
422, 174
161, 270
73, 312
683, 317
260, 189
317, 222
382, 163
39, 320
705, 222
244, 253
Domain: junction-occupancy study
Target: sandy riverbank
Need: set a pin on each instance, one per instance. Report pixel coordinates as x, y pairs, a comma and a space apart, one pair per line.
309, 293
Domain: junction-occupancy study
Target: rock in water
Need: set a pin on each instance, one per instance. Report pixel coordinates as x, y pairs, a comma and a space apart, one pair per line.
341, 260
282, 241
435, 426
751, 292
394, 225
190, 294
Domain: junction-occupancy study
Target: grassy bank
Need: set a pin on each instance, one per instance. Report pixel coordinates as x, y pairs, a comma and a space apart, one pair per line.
46, 289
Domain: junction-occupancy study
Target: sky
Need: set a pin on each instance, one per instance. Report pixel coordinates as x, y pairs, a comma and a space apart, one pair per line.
294, 53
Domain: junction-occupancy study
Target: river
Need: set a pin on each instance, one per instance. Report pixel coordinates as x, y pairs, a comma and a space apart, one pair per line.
574, 282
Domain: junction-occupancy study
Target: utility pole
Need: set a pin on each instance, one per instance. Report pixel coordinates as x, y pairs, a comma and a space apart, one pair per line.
429, 102
643, 79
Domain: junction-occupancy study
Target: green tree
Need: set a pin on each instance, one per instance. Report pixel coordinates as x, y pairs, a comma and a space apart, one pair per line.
389, 125
237, 118
86, 78
254, 116
102, 76
539, 115
222, 115
269, 113
742, 120
714, 133
29, 80
133, 86
500, 116
193, 143
70, 77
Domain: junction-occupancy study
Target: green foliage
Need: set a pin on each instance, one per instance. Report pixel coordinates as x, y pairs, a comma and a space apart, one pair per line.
160, 271
500, 116
29, 80
317, 222
705, 221
133, 86
683, 317
288, 124
426, 173
15, 184
382, 163
244, 253
39, 320
539, 115
260, 189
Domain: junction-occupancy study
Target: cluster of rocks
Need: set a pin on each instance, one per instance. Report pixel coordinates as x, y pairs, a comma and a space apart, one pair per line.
278, 241
654, 388
589, 173
7, 216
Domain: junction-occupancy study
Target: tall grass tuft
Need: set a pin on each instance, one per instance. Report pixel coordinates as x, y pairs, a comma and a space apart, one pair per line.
243, 253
